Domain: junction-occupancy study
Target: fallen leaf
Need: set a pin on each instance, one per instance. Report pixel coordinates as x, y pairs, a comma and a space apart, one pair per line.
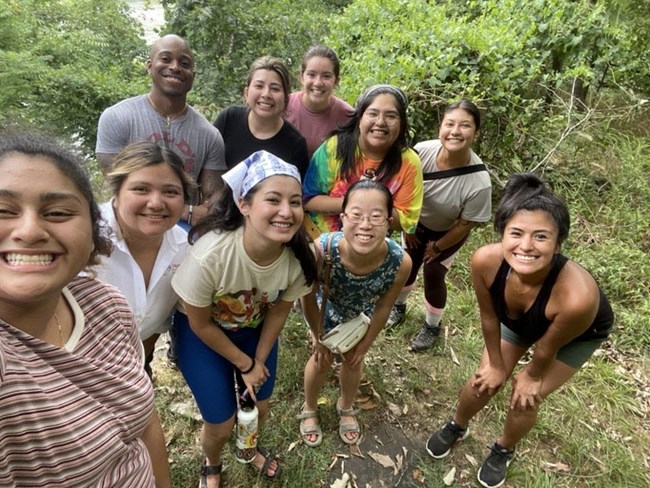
471, 459
363, 398
341, 483
448, 480
292, 445
382, 459
399, 462
454, 358
355, 451
369, 405
405, 451
394, 408
405, 410
417, 475
556, 467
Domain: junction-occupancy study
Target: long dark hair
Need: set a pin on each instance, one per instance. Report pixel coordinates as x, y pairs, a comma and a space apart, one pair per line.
347, 149
225, 216
527, 191
71, 166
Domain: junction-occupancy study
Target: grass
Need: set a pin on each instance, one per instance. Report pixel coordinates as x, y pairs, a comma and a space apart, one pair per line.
595, 432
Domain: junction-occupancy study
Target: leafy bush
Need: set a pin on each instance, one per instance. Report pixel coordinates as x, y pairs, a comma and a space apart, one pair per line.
64, 62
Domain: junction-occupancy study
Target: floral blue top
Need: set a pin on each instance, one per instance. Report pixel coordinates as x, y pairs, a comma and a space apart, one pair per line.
351, 294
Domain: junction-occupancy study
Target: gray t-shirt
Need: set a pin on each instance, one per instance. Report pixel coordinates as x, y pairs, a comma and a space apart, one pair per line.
446, 200
191, 136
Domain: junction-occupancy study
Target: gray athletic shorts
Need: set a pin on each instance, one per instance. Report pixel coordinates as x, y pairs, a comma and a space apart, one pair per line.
573, 354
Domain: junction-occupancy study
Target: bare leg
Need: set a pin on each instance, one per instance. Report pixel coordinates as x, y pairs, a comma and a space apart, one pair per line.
518, 423
349, 379
213, 438
315, 376
469, 404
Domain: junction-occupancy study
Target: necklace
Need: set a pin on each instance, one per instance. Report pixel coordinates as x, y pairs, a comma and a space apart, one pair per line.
58, 324
168, 117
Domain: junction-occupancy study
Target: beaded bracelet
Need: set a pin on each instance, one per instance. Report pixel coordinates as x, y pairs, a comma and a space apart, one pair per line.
249, 369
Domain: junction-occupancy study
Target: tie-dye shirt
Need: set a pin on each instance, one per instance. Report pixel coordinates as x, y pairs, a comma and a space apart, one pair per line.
323, 178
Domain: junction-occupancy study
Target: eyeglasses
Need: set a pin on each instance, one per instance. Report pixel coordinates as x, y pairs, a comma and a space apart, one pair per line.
390, 118
357, 218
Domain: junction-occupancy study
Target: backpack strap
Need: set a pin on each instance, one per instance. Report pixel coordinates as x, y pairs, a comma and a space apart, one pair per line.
448, 173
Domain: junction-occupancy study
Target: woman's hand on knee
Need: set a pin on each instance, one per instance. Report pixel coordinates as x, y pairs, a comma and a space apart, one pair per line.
322, 356
525, 392
488, 379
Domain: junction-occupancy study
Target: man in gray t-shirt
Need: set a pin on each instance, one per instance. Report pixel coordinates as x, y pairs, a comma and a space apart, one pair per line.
163, 116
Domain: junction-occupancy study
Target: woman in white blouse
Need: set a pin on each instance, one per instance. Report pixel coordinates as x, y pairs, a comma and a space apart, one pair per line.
150, 189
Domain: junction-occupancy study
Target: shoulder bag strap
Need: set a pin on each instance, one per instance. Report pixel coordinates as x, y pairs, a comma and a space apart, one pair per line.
327, 268
448, 173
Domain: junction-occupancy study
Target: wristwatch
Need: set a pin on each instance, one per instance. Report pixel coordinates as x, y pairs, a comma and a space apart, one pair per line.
435, 248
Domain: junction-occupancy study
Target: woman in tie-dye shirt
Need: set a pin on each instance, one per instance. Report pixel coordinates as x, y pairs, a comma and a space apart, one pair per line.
373, 144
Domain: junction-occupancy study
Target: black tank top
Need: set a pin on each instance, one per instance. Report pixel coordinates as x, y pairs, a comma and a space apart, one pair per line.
533, 323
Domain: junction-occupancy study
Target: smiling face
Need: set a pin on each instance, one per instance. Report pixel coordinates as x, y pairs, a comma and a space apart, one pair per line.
530, 239
274, 212
149, 203
364, 209
171, 66
318, 82
379, 126
45, 230
457, 131
265, 94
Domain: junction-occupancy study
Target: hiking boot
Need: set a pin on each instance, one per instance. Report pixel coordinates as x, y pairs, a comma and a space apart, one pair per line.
425, 338
495, 467
440, 442
397, 314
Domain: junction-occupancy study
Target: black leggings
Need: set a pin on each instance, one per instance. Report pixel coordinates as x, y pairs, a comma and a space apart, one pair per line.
435, 288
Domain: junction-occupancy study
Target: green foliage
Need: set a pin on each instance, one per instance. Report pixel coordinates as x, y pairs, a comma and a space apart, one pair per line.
228, 36
62, 63
518, 64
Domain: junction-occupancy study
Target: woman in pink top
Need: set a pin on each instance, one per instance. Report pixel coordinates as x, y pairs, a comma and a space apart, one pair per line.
314, 110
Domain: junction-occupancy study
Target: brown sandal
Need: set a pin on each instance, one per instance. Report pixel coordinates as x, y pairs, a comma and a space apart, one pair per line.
209, 470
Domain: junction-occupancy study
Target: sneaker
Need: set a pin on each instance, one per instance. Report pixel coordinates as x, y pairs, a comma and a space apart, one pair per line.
425, 338
440, 442
495, 467
397, 314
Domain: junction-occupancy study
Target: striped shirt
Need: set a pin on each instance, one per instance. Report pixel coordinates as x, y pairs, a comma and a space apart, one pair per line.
73, 417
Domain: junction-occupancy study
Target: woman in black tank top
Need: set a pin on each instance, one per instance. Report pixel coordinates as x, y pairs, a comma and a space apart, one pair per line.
528, 293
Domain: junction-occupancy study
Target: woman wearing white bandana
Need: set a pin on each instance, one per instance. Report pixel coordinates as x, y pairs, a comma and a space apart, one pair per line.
250, 262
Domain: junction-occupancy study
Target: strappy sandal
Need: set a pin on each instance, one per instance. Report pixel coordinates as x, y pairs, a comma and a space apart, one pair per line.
209, 470
268, 459
348, 427
307, 430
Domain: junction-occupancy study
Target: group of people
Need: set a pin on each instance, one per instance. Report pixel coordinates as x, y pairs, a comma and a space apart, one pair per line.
205, 234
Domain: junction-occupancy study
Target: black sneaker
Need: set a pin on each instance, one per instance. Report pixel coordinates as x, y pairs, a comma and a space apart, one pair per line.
426, 338
495, 467
397, 314
440, 442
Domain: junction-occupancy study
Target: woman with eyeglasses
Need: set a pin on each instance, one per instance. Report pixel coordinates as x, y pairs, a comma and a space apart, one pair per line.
366, 275
373, 144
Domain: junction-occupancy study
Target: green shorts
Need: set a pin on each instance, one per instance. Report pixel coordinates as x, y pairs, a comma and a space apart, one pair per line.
573, 354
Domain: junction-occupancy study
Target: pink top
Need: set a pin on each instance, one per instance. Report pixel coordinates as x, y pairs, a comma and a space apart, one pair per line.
316, 126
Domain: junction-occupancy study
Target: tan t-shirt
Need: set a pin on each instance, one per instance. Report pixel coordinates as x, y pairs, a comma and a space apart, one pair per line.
218, 272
